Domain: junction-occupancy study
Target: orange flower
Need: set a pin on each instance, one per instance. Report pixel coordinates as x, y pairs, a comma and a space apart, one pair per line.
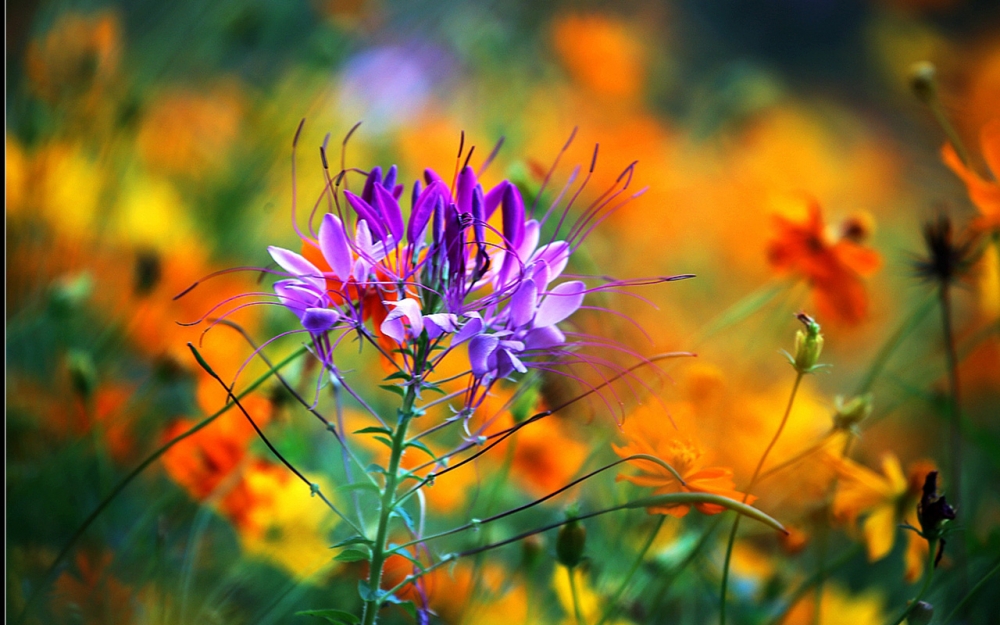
91, 595
834, 269
886, 501
985, 194
76, 58
647, 434
601, 53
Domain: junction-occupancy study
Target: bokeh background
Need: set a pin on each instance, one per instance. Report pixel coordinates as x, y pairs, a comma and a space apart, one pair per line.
148, 144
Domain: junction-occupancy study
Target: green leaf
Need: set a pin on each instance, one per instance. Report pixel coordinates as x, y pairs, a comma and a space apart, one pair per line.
366, 592
351, 555
374, 429
332, 616
399, 375
353, 540
385, 441
393, 389
422, 447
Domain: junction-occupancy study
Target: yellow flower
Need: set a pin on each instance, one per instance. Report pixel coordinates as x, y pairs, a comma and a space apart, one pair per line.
885, 500
838, 608
592, 605
285, 525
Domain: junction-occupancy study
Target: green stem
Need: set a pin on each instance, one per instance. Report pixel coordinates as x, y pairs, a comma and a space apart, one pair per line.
753, 482
101, 507
949, 130
951, 359
576, 595
968, 595
824, 536
892, 344
928, 576
613, 602
389, 502
812, 581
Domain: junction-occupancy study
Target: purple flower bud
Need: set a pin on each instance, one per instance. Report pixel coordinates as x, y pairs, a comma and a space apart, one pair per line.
319, 320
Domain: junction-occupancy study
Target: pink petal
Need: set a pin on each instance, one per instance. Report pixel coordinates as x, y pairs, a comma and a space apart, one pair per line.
561, 302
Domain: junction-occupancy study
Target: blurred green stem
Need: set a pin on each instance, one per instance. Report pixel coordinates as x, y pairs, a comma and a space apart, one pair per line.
891, 345
928, 576
972, 591
613, 601
746, 495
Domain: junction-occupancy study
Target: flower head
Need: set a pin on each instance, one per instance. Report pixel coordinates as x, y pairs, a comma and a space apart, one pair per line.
834, 269
985, 194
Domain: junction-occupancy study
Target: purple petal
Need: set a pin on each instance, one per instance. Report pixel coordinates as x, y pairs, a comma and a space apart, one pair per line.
439, 323
367, 213
389, 182
296, 296
559, 303
431, 176
493, 197
374, 178
318, 320
333, 243
391, 213
298, 266
471, 328
481, 347
523, 303
544, 338
556, 254
423, 207
513, 216
393, 326
463, 194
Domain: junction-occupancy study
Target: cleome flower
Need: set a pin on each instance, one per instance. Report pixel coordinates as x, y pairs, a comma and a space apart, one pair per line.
466, 267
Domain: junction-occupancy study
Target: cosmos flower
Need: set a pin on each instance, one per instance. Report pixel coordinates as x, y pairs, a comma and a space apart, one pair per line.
834, 269
884, 501
645, 434
985, 194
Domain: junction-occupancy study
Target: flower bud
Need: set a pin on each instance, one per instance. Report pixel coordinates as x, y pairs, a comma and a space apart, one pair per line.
570, 543
851, 413
933, 510
531, 548
921, 614
82, 373
922, 81
808, 345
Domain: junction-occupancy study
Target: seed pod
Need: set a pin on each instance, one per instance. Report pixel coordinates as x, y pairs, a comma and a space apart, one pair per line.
570, 543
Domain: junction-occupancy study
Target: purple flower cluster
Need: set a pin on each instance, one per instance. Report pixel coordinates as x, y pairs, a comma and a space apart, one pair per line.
468, 267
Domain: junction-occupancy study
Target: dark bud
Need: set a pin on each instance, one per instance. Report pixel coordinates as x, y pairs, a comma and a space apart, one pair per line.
921, 614
82, 373
570, 544
947, 258
923, 82
933, 510
148, 271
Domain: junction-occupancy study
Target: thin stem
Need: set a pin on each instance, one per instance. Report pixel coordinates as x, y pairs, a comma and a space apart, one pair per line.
575, 594
951, 359
613, 601
824, 535
968, 595
892, 344
949, 130
800, 592
753, 482
928, 576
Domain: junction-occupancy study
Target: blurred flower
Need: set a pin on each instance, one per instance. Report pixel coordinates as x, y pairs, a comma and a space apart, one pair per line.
191, 133
650, 433
391, 85
947, 259
838, 607
602, 53
77, 58
283, 524
590, 602
985, 194
833, 269
90, 594
886, 501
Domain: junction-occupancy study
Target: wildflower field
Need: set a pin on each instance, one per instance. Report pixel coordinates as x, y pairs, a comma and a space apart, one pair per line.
582, 313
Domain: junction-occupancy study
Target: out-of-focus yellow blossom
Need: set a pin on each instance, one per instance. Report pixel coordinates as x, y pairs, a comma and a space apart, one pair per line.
190, 133
838, 607
285, 525
15, 174
886, 501
592, 605
151, 214
65, 189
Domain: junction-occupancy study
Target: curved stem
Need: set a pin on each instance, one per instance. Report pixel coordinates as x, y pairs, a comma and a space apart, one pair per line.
753, 482
613, 601
968, 595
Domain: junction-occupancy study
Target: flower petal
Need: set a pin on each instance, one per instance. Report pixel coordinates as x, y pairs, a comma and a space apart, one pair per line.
523, 303
318, 320
333, 243
298, 266
559, 303
481, 347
